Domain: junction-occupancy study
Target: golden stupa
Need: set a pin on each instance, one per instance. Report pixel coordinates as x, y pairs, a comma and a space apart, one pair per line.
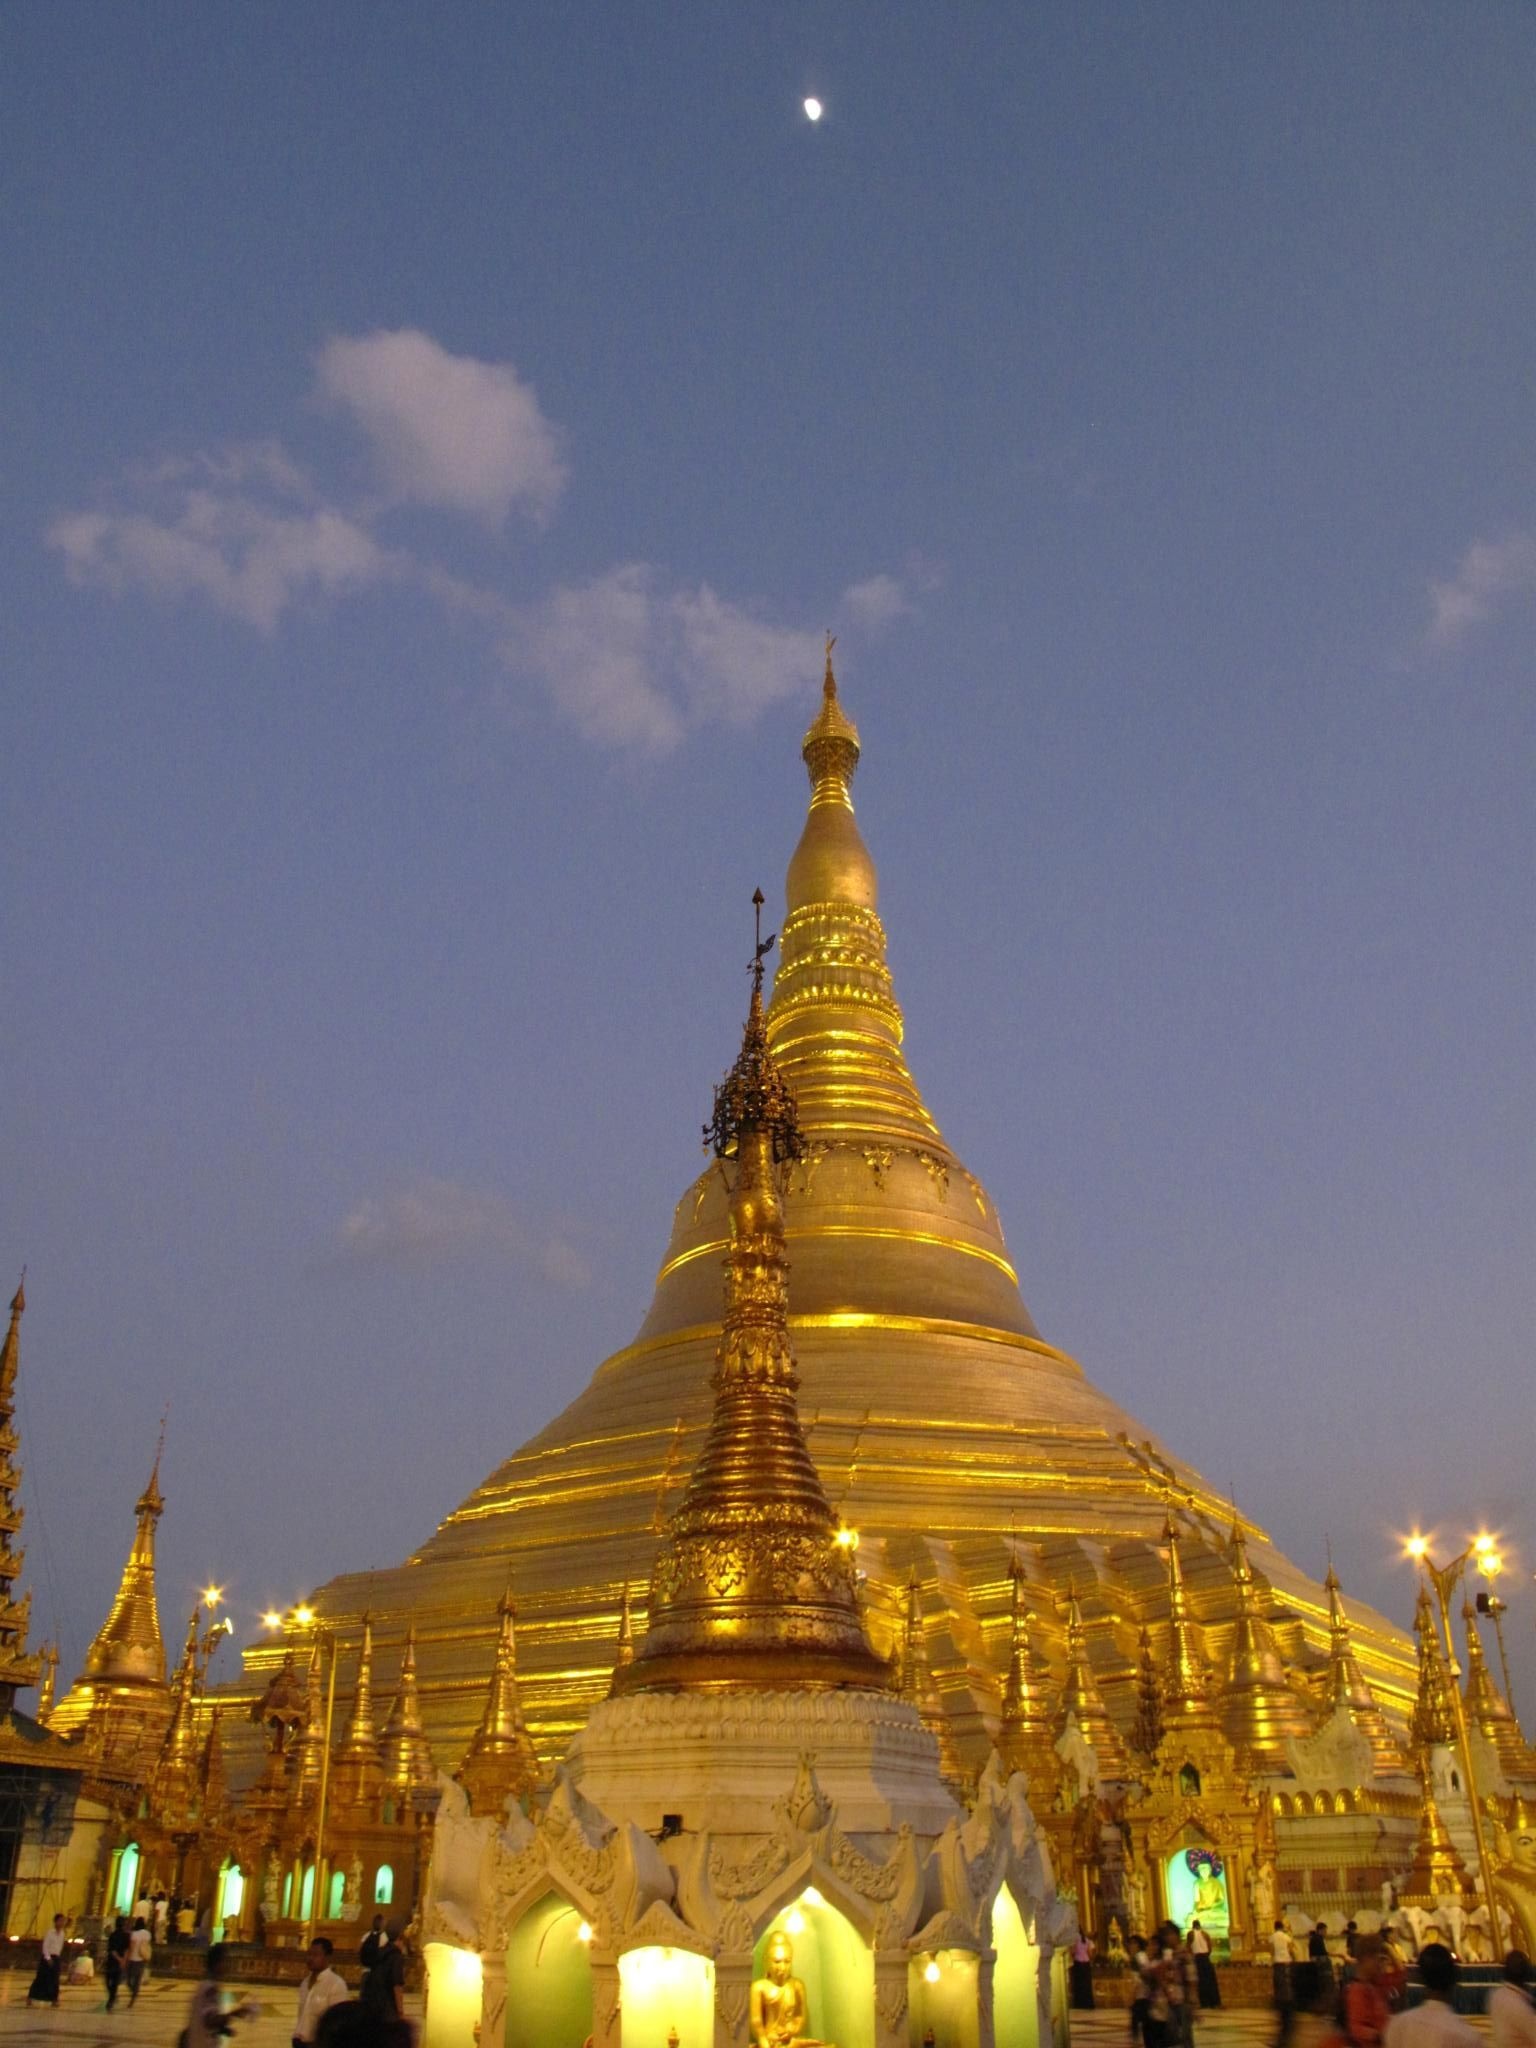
960, 1445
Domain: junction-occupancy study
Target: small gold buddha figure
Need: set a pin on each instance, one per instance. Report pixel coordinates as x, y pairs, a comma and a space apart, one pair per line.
780, 2011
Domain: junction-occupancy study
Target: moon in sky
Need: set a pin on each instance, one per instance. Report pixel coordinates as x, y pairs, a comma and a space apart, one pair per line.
813, 110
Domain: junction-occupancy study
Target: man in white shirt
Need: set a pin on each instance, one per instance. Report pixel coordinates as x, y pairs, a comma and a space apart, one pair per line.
1511, 2016
1435, 2023
140, 1949
318, 1992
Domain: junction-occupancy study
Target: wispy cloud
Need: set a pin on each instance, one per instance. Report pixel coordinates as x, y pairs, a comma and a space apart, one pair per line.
247, 554
632, 660
439, 1221
446, 430
877, 601
1488, 573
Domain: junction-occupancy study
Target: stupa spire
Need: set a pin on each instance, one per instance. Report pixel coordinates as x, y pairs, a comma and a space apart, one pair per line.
173, 1784
836, 1022
1024, 1739
1260, 1708
915, 1682
1082, 1702
307, 1748
1486, 1706
751, 1585
1438, 1871
1184, 1683
407, 1754
128, 1648
1148, 1730
17, 1669
1434, 1718
501, 1761
212, 1765
49, 1654
1349, 1687
624, 1648
358, 1774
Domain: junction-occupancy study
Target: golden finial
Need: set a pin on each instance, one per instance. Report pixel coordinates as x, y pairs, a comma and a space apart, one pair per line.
19, 1298
785, 1613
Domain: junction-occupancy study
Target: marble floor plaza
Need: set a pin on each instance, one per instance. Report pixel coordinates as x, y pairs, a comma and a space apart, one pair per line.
157, 2019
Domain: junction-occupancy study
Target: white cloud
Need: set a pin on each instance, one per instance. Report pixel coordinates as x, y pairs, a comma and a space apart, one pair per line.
446, 430
1488, 572
245, 556
632, 665
877, 601
439, 1220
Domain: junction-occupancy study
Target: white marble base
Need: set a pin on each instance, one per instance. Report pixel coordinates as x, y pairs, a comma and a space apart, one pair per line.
722, 1760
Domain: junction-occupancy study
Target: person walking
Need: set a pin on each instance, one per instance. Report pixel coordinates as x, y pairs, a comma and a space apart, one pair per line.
1205, 1968
368, 1951
140, 1948
210, 2017
383, 1992
1141, 1963
117, 1959
1365, 2008
1511, 2016
1435, 2023
160, 1921
50, 1963
320, 1989
1282, 1956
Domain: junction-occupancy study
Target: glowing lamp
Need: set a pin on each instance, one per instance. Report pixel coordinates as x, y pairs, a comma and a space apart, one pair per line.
303, 1616
1417, 1545
846, 1538
795, 1921
271, 1619
813, 109
811, 1897
584, 1931
212, 1595
930, 1971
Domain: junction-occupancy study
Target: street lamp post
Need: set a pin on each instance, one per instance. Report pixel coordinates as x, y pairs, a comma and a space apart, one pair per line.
1445, 1578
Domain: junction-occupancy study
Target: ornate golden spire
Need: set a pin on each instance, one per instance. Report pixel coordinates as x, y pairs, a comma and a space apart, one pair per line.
1487, 1707
128, 1649
916, 1684
17, 1669
751, 1586
1259, 1707
357, 1777
1024, 1730
1438, 1871
1148, 1731
407, 1754
1184, 1684
173, 1783
501, 1761
1082, 1701
1348, 1686
624, 1649
1434, 1718
306, 1751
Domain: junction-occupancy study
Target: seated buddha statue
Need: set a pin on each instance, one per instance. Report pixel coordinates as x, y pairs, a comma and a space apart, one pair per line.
780, 2012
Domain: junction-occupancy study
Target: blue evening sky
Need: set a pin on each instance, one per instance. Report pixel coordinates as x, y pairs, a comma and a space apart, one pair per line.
433, 440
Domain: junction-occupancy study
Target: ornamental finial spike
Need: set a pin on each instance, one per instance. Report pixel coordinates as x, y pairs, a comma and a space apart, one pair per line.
754, 1095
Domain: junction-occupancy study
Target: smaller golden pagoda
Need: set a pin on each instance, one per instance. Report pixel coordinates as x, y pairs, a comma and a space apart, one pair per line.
752, 1586
1147, 1732
1488, 1710
357, 1771
174, 1786
1025, 1741
1348, 1687
1434, 1718
1438, 1871
408, 1766
121, 1696
915, 1684
501, 1762
1260, 1709
1082, 1703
